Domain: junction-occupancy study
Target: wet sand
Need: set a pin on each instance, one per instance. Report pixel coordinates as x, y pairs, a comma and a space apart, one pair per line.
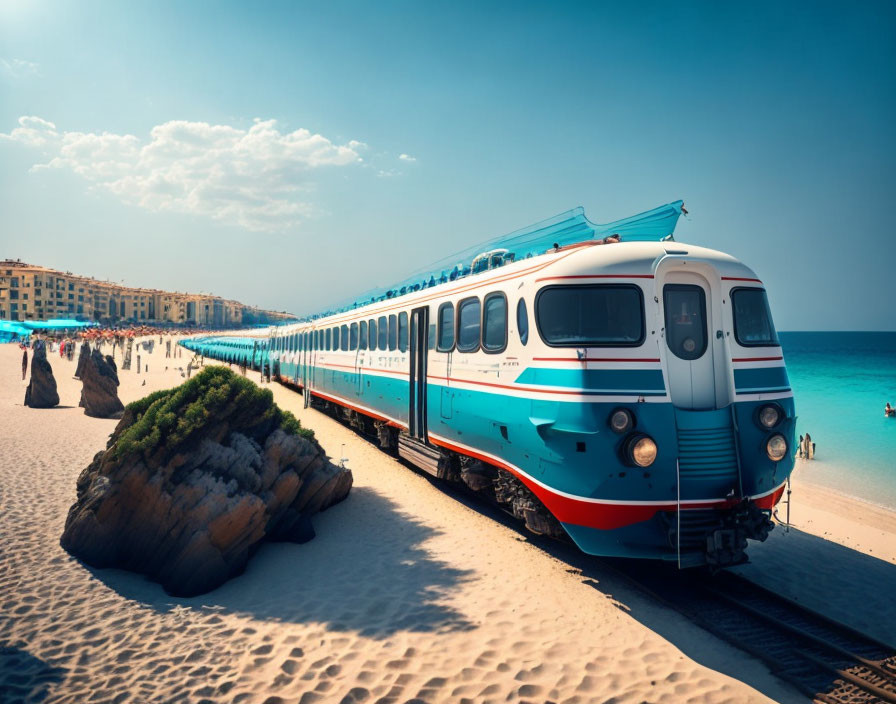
408, 592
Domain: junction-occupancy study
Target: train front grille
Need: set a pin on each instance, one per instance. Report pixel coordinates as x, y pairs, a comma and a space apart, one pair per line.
708, 465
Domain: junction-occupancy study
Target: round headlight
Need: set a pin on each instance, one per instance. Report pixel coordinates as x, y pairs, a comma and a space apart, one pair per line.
642, 450
770, 416
621, 420
776, 447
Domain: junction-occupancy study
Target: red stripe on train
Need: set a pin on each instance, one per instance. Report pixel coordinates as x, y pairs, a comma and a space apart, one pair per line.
596, 276
594, 359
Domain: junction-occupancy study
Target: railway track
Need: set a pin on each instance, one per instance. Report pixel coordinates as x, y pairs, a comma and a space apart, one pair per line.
825, 660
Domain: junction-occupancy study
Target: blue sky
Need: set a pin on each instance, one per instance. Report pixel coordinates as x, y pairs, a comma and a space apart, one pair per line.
290, 154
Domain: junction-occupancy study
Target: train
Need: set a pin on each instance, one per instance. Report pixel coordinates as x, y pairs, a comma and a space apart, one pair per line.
604, 383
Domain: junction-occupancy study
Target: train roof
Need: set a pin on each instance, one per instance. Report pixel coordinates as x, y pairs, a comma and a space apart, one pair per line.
570, 227
624, 259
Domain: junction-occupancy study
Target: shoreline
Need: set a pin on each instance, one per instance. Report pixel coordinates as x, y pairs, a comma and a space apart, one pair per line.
405, 593
823, 497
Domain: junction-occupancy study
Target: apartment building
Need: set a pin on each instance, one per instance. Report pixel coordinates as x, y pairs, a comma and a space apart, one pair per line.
29, 292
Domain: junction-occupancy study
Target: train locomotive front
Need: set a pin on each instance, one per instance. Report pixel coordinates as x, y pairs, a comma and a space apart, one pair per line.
662, 414
632, 396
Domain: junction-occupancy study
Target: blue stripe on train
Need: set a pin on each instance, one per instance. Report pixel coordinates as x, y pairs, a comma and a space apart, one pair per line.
644, 382
764, 379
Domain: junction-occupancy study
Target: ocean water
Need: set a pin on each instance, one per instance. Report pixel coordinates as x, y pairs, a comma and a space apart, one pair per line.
841, 382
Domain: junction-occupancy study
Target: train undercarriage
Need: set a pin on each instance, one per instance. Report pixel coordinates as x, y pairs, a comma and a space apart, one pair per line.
495, 485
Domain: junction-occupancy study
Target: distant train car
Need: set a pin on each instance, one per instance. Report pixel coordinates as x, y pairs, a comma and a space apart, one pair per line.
631, 395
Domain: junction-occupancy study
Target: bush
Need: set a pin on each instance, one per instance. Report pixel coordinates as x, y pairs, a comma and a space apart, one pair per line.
173, 419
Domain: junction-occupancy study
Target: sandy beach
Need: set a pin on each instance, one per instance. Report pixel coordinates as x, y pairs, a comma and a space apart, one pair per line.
408, 592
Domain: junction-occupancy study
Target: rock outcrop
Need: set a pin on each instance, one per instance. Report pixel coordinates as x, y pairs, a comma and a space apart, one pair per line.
193, 478
83, 355
99, 387
41, 391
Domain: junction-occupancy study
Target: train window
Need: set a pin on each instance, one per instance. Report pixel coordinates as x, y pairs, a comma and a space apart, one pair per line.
343, 338
753, 326
371, 336
393, 333
431, 337
329, 338
469, 322
353, 331
522, 321
402, 332
494, 323
685, 306
363, 338
446, 328
382, 340
592, 315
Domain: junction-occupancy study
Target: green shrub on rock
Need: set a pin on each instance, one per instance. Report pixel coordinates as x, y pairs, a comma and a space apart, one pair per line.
170, 419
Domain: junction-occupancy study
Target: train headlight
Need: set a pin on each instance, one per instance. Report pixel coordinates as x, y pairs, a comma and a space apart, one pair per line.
770, 415
776, 447
641, 450
621, 420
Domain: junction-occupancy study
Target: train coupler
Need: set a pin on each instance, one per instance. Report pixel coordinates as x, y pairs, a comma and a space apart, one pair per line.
727, 545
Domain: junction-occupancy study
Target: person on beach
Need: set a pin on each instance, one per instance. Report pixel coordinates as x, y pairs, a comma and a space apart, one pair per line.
24, 363
810, 448
801, 447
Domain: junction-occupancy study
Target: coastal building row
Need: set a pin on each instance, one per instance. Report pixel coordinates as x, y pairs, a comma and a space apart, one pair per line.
29, 292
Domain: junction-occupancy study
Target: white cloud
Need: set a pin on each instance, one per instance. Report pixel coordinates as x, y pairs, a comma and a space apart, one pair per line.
18, 68
407, 157
256, 178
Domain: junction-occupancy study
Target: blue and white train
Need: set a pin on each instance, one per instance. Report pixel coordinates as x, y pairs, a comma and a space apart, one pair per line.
631, 395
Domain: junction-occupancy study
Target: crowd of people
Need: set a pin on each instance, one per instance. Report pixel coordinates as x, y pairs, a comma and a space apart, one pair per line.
67, 342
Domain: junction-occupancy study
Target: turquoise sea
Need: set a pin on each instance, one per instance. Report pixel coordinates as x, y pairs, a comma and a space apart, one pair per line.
841, 382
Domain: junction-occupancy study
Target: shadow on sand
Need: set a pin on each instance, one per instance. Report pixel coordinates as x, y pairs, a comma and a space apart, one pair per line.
25, 678
367, 571
843, 584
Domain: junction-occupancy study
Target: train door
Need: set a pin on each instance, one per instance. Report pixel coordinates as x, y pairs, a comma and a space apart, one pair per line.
355, 344
307, 362
418, 353
687, 311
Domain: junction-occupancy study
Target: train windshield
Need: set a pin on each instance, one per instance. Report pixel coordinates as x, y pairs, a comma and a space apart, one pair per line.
753, 325
590, 315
